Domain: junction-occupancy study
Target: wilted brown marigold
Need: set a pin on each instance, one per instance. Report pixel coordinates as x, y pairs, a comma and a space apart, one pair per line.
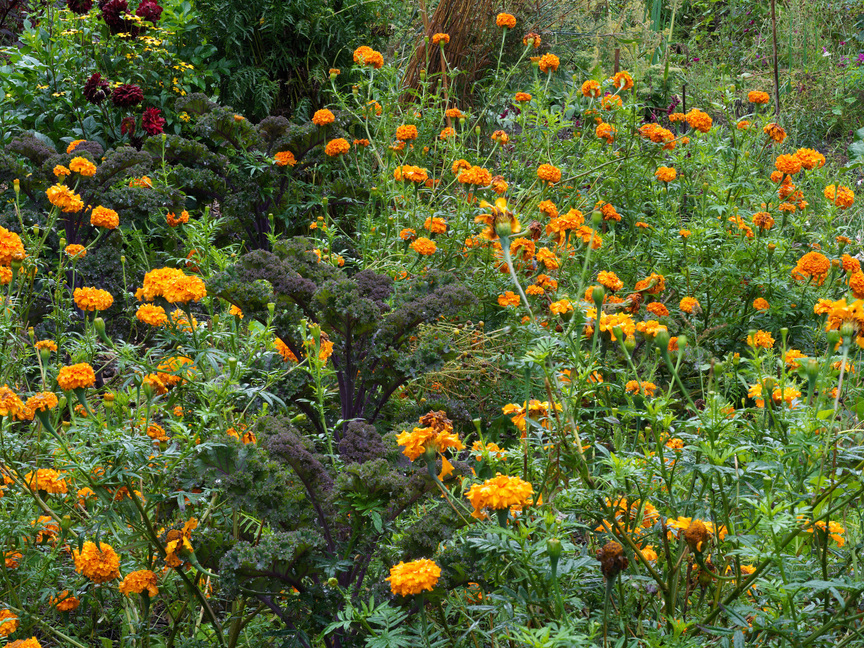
92, 299
100, 564
612, 560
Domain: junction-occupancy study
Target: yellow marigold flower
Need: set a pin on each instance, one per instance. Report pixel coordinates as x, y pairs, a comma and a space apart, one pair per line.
549, 173
440, 39
82, 166
10, 404
413, 577
761, 339
92, 299
284, 158
622, 80
506, 20
323, 117
338, 146
499, 493
856, 284
475, 176
410, 173
841, 196
8, 623
42, 401
138, 581
522, 97
63, 197
813, 265
48, 345
792, 356
435, 225
365, 55
591, 88
75, 251
32, 642
548, 63
286, 353
689, 305
100, 564
77, 376
774, 132
788, 394
609, 280
61, 171
665, 174
606, 132
699, 120
104, 217
758, 97
73, 145
509, 298
64, 602
5, 275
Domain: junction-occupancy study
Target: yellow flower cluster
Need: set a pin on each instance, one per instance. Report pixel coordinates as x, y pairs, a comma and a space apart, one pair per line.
92, 299
139, 581
82, 166
338, 146
410, 173
63, 197
10, 404
499, 493
104, 217
48, 480
76, 376
812, 265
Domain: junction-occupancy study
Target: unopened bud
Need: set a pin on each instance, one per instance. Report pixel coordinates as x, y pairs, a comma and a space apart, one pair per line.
16, 183
597, 295
232, 365
847, 330
332, 582
682, 342
271, 308
630, 343
662, 341
596, 217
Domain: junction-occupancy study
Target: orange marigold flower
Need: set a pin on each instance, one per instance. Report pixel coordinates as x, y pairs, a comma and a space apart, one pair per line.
8, 623
323, 117
611, 102
810, 159
774, 132
475, 175
63, 197
645, 388
608, 211
408, 234
549, 173
286, 353
406, 132
47, 479
439, 39
665, 174
92, 299
75, 251
338, 146
653, 284
64, 602
657, 309
591, 89
761, 304
622, 80
174, 221
743, 125
407, 579
424, 246
606, 132
548, 208
758, 97
684, 233
609, 280
435, 225
365, 55
761, 339
142, 183
361, 142
548, 63
77, 376
763, 220
689, 305
447, 133
856, 284
813, 265
841, 196
699, 120
285, 158
531, 39
11, 247
73, 145
500, 137
104, 217
522, 97
152, 315
850, 264
658, 135
82, 166
100, 564
509, 298
508, 21
561, 307
548, 258
173, 285
42, 402
61, 171
410, 173
138, 581
499, 493
788, 164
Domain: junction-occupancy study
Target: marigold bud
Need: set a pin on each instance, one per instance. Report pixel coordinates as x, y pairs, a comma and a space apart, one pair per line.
16, 183
597, 295
661, 339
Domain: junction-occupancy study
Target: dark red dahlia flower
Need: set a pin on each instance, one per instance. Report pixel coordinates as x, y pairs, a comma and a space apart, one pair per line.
79, 7
96, 89
127, 95
127, 126
114, 14
149, 10
152, 122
